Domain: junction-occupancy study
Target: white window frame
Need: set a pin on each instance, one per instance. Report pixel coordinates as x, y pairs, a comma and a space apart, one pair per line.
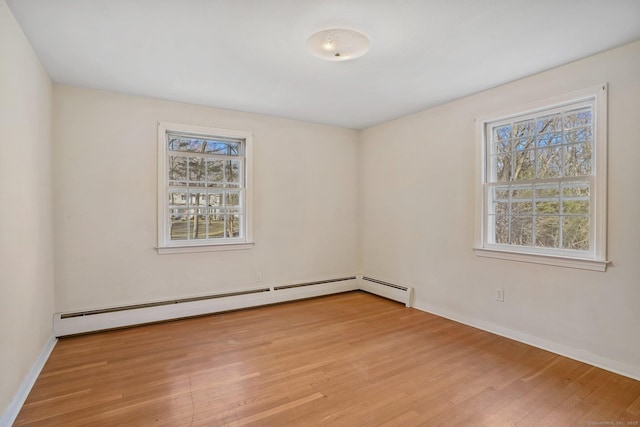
595, 258
165, 244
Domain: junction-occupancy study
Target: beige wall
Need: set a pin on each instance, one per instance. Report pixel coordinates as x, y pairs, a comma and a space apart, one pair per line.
417, 203
105, 180
26, 257
394, 202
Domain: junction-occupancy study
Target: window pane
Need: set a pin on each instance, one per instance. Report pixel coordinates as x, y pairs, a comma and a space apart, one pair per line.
547, 207
215, 199
233, 198
233, 225
197, 199
521, 192
502, 139
575, 233
177, 169
502, 167
547, 190
522, 207
500, 200
575, 207
578, 135
522, 144
549, 139
524, 165
224, 148
191, 219
216, 224
521, 230
547, 231
575, 189
501, 193
235, 149
549, 123
185, 144
196, 170
179, 224
501, 225
178, 198
549, 162
215, 173
578, 159
500, 207
524, 128
199, 224
232, 171
575, 118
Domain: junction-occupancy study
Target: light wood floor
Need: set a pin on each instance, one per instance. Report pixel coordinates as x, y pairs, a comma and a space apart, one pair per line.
345, 360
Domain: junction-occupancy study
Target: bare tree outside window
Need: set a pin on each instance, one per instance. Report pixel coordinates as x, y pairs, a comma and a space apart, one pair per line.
538, 174
542, 181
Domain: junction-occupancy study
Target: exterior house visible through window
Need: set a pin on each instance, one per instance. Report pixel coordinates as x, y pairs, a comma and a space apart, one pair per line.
204, 187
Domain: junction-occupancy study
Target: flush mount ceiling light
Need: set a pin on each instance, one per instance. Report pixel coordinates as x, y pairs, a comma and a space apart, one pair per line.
338, 44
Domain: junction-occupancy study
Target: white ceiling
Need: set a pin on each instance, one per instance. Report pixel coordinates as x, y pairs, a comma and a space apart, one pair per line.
250, 55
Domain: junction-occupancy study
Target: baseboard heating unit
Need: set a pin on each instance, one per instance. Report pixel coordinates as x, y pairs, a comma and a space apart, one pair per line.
403, 294
80, 322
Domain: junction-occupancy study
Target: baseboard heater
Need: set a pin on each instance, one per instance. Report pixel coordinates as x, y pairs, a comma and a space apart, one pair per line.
403, 294
73, 323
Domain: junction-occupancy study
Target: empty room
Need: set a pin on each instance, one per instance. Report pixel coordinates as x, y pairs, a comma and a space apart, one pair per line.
301, 213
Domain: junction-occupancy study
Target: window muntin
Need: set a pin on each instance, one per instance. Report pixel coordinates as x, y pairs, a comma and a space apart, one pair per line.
203, 192
544, 179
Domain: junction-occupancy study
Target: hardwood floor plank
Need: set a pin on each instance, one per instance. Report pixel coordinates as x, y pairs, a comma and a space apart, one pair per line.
634, 407
352, 359
278, 409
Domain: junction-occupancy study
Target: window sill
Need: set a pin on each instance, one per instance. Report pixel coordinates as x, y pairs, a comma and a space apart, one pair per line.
163, 250
559, 261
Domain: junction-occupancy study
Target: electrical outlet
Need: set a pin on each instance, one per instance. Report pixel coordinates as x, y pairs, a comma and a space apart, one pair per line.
500, 294
258, 277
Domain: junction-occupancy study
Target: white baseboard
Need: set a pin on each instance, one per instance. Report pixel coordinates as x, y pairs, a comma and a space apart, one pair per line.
64, 326
12, 411
631, 371
393, 291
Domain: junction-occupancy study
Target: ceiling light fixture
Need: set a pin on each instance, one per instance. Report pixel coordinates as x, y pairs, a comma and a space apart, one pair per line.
338, 44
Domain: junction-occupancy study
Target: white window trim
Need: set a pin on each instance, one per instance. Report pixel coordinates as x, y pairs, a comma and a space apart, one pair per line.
165, 245
597, 260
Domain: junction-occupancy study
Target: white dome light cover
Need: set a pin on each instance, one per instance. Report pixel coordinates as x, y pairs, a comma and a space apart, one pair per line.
338, 44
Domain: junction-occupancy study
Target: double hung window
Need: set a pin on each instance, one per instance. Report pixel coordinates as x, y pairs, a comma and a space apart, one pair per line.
543, 182
204, 192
